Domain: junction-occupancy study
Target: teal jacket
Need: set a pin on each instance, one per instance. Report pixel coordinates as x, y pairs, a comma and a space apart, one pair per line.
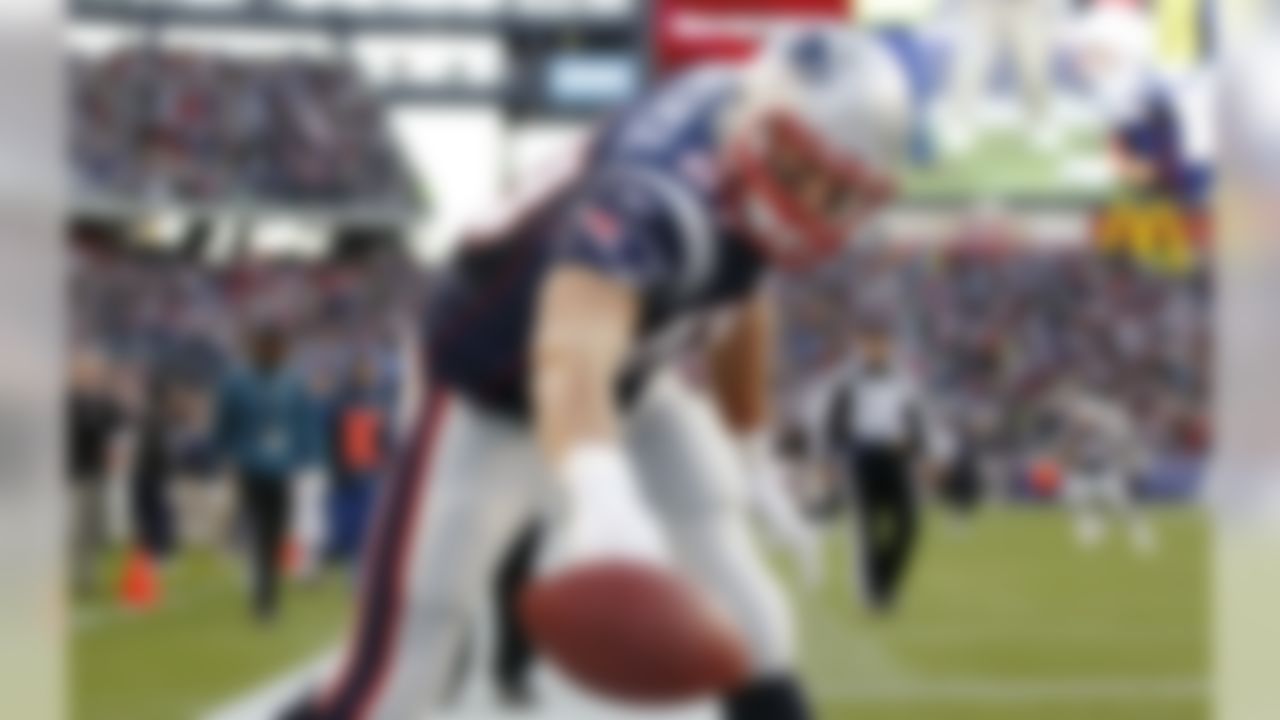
267, 424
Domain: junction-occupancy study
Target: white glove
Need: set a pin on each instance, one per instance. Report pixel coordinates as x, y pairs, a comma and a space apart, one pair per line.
777, 509
606, 518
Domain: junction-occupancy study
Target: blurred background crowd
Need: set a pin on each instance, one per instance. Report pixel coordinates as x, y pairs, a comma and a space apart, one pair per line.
157, 344
992, 329
183, 126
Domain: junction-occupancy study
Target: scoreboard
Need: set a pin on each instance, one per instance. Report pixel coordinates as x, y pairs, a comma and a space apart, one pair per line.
691, 31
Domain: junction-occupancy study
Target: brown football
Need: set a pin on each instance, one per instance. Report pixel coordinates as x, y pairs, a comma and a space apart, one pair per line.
634, 632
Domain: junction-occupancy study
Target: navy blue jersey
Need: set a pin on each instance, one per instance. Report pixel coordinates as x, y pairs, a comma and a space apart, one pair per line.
643, 210
1155, 132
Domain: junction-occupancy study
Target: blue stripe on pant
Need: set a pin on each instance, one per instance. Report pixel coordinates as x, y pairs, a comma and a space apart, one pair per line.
382, 603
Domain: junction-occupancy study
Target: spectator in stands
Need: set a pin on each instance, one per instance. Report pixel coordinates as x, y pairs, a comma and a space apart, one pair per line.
266, 428
360, 444
153, 466
169, 124
988, 325
986, 322
94, 419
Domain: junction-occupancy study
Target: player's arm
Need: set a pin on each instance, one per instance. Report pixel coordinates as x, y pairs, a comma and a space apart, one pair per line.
612, 252
609, 257
741, 369
586, 322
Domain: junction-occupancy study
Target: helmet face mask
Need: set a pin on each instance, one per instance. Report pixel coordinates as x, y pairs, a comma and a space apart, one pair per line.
802, 201
814, 142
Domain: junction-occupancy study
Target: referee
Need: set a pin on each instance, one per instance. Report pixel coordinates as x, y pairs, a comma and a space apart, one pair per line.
875, 428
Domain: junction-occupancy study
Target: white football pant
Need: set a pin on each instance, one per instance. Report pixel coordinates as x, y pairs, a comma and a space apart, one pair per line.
472, 480
1094, 497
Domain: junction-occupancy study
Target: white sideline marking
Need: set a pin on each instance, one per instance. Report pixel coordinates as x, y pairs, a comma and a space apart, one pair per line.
271, 697
559, 701
998, 691
89, 619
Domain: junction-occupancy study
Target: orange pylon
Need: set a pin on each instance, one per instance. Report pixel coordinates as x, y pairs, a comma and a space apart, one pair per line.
1046, 477
140, 588
291, 556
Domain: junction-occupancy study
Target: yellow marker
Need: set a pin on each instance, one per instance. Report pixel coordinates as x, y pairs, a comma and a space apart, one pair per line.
1178, 32
1157, 235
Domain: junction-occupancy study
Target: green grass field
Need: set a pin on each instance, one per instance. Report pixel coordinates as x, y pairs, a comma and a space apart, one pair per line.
198, 648
1004, 164
1007, 620
1011, 620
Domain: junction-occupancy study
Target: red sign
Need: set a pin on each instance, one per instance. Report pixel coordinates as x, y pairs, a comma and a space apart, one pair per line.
693, 31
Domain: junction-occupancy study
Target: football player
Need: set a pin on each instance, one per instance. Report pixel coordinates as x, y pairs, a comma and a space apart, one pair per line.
1160, 123
1102, 451
552, 345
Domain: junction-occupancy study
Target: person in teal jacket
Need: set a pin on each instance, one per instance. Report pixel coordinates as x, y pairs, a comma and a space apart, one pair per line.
266, 432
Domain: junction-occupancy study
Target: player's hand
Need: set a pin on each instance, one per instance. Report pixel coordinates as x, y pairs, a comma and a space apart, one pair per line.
778, 510
605, 516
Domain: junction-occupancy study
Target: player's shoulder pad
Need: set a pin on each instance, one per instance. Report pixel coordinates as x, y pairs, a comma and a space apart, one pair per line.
642, 223
679, 116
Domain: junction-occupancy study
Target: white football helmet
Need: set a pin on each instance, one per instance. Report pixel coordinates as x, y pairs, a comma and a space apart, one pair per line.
815, 140
1112, 49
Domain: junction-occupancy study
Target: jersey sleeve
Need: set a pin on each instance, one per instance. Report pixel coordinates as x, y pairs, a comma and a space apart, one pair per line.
1152, 131
627, 230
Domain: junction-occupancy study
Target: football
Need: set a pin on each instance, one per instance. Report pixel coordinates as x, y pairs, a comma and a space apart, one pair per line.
634, 632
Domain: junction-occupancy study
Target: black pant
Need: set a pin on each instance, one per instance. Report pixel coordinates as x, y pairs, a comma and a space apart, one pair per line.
515, 654
152, 515
265, 500
962, 485
887, 519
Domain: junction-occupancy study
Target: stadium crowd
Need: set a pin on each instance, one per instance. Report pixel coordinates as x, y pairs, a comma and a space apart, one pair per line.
989, 331
993, 332
165, 357
181, 126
